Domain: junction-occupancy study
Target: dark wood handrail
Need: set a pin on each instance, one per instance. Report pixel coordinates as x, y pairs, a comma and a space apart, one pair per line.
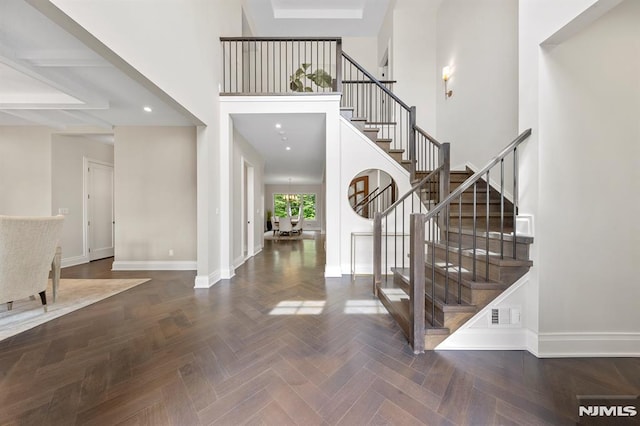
365, 199
413, 189
376, 195
427, 136
369, 81
376, 81
280, 39
477, 176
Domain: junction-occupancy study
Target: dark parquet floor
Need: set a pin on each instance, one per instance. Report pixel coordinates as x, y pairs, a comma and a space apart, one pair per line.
164, 353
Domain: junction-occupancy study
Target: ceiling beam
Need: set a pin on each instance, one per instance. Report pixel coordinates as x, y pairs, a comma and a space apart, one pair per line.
45, 75
88, 118
35, 118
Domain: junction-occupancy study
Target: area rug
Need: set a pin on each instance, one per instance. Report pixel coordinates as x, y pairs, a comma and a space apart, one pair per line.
306, 235
72, 295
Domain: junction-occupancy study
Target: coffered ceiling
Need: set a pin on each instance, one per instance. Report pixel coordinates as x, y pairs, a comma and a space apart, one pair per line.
335, 18
48, 77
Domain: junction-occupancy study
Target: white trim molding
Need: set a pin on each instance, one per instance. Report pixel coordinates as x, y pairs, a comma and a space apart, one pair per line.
477, 334
207, 281
227, 273
332, 271
238, 261
589, 344
154, 265
73, 261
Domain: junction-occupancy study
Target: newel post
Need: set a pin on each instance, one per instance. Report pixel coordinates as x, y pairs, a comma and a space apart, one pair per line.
444, 158
377, 251
416, 282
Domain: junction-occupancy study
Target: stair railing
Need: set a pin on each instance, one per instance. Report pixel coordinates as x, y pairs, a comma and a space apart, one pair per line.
309, 65
278, 65
438, 231
374, 100
378, 200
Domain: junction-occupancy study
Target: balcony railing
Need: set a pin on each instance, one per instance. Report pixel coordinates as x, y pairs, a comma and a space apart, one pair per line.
267, 65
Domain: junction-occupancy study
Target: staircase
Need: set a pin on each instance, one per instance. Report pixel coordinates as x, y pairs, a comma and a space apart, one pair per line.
445, 249
372, 132
464, 263
463, 253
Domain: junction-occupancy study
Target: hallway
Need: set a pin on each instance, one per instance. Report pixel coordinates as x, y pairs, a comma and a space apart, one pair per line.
277, 344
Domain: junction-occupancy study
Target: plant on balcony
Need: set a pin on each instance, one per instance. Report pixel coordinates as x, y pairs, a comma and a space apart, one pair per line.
298, 80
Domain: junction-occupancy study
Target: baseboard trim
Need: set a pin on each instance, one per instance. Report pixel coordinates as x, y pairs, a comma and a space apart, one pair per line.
586, 344
227, 274
332, 271
239, 261
154, 265
73, 261
491, 340
207, 281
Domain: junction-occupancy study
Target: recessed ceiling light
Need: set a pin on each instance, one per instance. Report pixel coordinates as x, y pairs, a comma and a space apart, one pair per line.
282, 132
284, 138
147, 109
278, 125
288, 148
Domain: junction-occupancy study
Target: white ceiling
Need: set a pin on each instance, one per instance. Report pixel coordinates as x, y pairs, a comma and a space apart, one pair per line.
305, 133
327, 18
50, 78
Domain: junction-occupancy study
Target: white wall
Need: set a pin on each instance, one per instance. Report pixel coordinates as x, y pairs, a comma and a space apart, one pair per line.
413, 59
541, 21
25, 171
588, 233
358, 154
385, 35
478, 40
155, 197
364, 50
316, 225
67, 179
244, 152
178, 50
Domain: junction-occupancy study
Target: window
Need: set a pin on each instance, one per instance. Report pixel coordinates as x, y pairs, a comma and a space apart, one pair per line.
308, 205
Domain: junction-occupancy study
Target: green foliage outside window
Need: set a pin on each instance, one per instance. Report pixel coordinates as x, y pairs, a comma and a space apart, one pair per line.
308, 209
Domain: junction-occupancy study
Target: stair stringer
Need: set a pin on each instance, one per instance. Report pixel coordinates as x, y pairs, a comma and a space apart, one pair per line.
478, 334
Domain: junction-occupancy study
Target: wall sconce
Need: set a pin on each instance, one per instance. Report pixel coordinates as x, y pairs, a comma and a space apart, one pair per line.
446, 74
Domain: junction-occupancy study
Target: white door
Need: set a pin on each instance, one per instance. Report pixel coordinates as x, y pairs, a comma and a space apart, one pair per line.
247, 210
100, 224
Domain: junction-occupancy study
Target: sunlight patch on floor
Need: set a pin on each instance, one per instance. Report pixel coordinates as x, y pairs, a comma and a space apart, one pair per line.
364, 307
298, 307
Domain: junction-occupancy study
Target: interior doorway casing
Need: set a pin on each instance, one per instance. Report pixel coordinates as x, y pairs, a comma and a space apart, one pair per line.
248, 209
98, 209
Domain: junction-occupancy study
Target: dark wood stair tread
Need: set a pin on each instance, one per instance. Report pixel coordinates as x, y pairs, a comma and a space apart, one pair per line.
467, 252
525, 239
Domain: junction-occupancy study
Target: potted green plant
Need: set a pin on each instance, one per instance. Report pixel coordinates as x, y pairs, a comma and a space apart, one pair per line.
298, 80
269, 216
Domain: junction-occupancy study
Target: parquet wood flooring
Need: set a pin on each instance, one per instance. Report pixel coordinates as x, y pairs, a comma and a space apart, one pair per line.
165, 353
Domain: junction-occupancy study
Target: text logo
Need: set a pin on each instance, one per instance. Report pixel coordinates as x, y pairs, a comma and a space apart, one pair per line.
608, 410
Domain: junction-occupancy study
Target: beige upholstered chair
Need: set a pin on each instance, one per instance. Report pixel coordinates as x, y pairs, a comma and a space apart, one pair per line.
298, 227
285, 225
27, 248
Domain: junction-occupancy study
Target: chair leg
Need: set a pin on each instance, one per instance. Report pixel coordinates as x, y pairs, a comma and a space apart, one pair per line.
9, 306
43, 299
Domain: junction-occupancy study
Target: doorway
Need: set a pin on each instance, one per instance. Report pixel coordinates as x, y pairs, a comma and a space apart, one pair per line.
99, 214
248, 223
